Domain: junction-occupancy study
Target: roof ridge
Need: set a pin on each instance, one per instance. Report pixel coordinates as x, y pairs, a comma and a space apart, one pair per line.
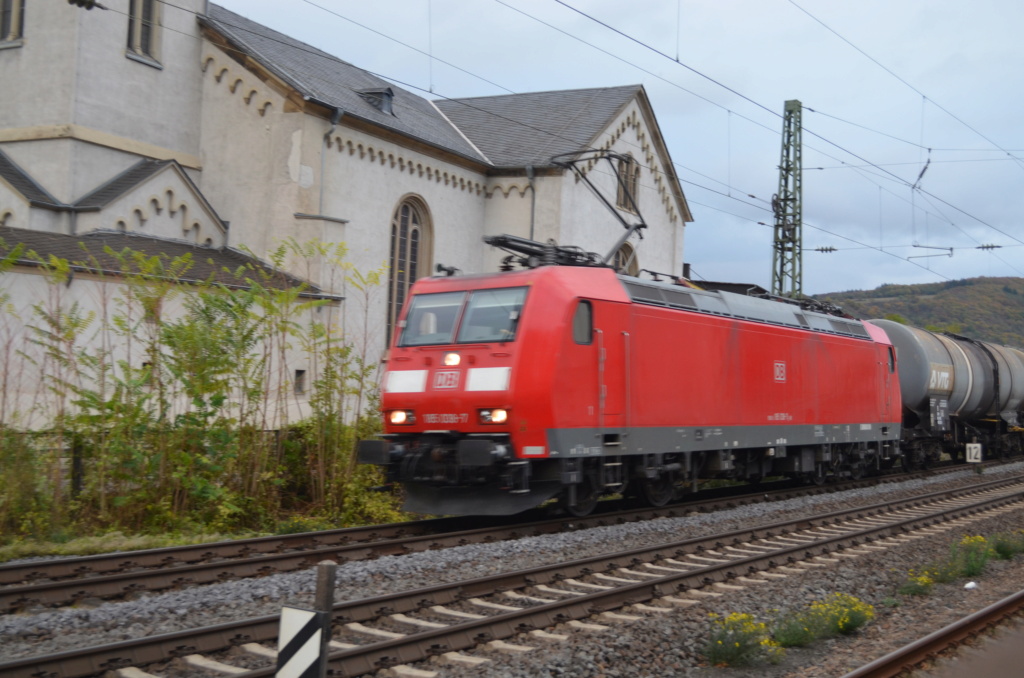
547, 91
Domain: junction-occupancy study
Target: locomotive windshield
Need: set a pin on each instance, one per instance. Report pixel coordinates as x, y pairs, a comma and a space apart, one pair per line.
492, 315
486, 315
431, 319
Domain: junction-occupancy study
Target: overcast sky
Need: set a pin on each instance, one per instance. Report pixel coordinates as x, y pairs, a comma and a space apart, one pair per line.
881, 81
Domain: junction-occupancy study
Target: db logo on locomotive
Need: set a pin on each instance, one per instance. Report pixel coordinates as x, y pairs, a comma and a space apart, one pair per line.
448, 379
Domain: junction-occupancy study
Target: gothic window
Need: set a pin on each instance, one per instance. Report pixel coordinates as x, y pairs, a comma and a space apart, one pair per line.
12, 20
628, 183
625, 261
143, 21
410, 254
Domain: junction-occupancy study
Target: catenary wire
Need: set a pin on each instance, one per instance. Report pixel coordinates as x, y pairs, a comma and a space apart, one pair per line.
320, 53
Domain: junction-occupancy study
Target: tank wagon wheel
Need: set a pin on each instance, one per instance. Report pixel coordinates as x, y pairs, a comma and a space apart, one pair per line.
658, 492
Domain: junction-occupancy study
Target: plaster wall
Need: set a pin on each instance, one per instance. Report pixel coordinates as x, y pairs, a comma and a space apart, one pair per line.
247, 146
366, 179
155, 102
589, 224
72, 74
25, 398
34, 69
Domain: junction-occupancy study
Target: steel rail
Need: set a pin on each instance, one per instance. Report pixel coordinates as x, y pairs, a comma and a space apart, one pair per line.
421, 646
165, 557
64, 581
909, 657
90, 661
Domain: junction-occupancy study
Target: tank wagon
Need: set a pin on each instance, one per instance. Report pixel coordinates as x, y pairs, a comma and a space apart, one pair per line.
504, 391
956, 391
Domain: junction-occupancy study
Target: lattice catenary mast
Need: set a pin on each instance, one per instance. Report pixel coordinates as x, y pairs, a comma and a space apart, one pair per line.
787, 261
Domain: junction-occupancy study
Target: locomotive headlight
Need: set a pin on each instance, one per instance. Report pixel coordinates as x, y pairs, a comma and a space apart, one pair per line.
452, 359
401, 417
493, 416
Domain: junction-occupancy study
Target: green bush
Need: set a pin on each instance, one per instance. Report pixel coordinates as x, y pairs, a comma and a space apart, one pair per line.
739, 640
184, 435
794, 629
970, 555
1006, 546
840, 614
918, 583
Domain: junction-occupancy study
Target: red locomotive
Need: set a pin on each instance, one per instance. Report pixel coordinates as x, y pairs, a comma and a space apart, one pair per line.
570, 381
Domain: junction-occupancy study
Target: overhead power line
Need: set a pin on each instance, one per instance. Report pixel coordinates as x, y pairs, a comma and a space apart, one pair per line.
893, 74
516, 122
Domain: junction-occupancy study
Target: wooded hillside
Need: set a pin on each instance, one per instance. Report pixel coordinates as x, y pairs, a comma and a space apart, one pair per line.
991, 309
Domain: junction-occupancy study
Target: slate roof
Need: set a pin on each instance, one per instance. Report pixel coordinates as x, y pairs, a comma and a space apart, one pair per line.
329, 80
122, 183
528, 129
24, 184
87, 252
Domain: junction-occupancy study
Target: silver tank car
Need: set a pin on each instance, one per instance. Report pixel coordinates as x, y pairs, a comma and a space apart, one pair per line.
945, 375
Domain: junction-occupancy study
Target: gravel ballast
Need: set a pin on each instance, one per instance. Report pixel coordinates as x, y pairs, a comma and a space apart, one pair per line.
664, 645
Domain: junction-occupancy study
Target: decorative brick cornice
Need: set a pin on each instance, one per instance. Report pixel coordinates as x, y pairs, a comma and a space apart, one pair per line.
416, 167
634, 121
240, 83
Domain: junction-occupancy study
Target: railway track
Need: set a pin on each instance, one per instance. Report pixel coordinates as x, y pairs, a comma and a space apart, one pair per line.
50, 583
906, 659
411, 626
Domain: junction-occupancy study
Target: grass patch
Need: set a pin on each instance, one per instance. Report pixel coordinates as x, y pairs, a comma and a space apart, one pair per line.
107, 543
740, 640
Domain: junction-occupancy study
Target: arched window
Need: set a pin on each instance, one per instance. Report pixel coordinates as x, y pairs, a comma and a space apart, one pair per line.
625, 260
410, 254
628, 184
143, 22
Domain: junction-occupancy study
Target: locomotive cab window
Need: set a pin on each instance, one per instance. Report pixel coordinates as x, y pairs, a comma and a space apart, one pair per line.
892, 359
583, 323
492, 315
431, 319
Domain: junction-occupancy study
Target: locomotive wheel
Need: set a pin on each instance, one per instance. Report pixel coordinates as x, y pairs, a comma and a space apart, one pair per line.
856, 471
659, 491
586, 499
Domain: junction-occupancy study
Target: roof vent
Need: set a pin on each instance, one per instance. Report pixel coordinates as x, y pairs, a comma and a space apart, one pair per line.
379, 98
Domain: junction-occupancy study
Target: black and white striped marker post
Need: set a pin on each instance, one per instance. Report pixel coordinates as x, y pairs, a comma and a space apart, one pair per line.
302, 641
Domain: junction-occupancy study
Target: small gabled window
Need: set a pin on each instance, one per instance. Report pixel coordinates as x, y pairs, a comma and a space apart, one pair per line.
381, 99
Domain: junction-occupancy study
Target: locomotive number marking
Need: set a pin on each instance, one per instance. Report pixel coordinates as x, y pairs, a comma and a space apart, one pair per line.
446, 418
448, 379
780, 370
973, 453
